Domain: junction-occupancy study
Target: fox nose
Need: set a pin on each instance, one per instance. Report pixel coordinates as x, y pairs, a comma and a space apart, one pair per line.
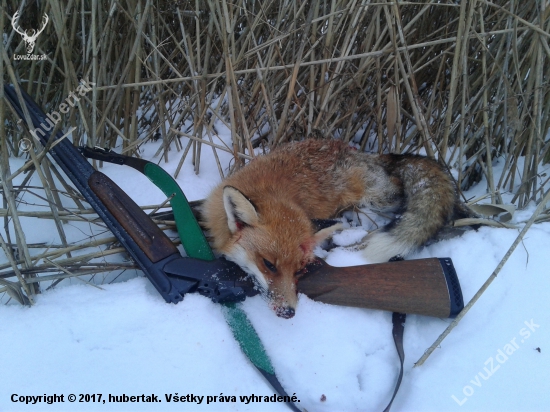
286, 313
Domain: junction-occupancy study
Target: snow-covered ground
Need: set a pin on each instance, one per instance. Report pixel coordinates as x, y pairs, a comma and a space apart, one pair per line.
123, 339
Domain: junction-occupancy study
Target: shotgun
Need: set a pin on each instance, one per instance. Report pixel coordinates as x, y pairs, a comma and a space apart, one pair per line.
424, 286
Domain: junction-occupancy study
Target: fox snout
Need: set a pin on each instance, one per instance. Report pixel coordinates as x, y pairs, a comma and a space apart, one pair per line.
283, 297
286, 313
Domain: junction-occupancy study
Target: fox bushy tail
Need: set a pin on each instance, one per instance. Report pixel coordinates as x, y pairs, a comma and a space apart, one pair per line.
430, 201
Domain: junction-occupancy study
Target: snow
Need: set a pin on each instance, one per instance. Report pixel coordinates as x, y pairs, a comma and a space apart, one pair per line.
123, 339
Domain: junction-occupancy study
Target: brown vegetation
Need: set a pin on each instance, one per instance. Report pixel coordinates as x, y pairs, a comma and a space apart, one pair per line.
466, 82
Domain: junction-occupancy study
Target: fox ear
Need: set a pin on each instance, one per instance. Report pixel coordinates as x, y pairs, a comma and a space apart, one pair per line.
239, 209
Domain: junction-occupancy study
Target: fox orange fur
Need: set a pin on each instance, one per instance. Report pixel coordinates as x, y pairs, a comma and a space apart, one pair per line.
261, 216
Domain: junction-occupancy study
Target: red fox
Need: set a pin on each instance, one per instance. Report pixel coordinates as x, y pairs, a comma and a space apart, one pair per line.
261, 216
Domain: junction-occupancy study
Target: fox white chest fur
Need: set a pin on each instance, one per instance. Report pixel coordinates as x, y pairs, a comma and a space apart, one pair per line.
261, 216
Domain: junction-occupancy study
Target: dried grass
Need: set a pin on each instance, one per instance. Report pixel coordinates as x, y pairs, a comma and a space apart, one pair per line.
465, 82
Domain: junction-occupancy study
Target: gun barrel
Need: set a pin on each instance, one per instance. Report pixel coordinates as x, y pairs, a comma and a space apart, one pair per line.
425, 286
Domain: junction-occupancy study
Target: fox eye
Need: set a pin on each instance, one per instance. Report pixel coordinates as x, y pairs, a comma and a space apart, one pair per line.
270, 266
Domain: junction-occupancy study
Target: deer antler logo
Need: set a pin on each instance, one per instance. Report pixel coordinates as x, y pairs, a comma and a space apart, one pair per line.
29, 39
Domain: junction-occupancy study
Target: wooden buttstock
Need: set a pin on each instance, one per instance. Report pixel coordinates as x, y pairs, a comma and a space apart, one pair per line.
425, 286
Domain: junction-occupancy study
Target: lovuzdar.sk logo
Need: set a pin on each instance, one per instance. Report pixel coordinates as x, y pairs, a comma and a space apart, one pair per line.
29, 37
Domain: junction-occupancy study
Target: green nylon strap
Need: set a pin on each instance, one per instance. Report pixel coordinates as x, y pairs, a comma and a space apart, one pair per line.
196, 246
194, 242
246, 335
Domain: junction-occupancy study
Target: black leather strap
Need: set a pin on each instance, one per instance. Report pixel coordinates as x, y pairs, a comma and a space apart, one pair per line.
398, 320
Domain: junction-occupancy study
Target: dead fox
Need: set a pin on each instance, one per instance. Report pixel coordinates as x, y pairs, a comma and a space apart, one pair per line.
261, 216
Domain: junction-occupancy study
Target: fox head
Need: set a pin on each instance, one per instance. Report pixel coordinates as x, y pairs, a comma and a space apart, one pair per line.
273, 241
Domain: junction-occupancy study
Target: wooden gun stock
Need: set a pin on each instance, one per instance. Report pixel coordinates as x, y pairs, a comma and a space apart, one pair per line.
425, 286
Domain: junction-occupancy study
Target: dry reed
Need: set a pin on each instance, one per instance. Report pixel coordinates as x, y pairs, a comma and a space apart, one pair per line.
465, 82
